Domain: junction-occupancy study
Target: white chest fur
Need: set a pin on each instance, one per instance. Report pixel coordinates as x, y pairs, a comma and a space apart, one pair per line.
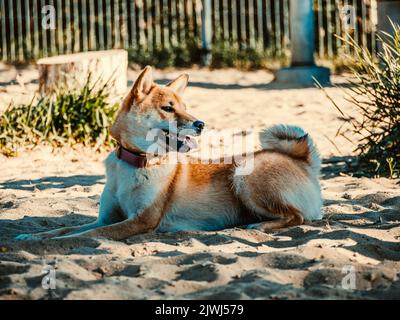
134, 189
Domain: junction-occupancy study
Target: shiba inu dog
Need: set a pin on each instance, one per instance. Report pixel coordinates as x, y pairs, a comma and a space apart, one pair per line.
145, 195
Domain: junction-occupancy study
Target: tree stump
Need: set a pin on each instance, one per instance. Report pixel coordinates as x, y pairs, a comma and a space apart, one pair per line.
73, 70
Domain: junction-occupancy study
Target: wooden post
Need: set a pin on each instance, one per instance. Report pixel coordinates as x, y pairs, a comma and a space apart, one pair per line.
206, 32
92, 31
11, 30
3, 28
100, 25
84, 29
60, 30
19, 24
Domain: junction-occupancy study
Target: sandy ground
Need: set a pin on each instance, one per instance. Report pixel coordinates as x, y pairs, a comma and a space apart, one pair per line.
360, 235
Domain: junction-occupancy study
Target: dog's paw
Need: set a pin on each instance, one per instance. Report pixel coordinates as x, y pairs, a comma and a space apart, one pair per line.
27, 236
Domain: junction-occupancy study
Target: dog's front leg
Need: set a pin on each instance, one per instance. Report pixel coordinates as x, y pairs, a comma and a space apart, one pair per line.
147, 221
58, 232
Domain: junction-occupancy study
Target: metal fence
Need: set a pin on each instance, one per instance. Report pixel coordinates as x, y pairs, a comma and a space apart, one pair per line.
30, 29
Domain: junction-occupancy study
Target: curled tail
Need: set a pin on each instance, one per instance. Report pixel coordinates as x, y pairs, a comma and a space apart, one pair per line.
293, 141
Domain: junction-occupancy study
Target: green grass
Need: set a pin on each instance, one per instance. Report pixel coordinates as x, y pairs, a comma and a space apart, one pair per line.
65, 117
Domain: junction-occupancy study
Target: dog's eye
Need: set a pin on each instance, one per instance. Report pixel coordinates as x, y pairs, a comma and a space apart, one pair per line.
168, 109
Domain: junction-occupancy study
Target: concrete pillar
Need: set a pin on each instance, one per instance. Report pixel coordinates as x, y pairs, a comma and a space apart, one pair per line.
302, 37
206, 32
387, 10
302, 32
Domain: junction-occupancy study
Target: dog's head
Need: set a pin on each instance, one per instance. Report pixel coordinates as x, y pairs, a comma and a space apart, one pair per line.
153, 119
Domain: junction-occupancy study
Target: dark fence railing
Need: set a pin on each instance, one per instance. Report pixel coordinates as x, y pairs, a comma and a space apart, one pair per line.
81, 25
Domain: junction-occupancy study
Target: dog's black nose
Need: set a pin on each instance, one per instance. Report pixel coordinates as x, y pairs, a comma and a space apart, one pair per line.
199, 125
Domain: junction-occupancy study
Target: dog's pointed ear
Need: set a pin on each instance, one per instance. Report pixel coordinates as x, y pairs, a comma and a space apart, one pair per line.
142, 85
179, 84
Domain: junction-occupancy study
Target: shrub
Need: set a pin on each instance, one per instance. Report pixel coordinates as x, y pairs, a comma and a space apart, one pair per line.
224, 55
245, 58
66, 117
182, 55
375, 92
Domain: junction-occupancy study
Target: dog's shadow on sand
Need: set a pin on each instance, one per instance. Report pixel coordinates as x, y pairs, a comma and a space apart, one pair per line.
53, 182
335, 166
292, 237
9, 229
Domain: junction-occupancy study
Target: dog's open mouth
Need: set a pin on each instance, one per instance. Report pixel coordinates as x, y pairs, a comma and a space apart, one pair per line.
179, 142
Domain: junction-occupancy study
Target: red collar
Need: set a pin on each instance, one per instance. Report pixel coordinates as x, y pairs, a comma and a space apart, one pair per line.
134, 159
